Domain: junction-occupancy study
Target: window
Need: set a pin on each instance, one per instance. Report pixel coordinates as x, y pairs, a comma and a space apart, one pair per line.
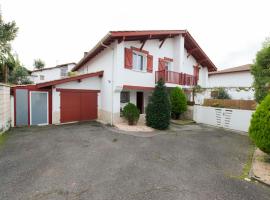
124, 97
168, 66
139, 61
41, 77
63, 71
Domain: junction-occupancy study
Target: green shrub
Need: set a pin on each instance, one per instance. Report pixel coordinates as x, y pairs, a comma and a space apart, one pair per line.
131, 113
259, 130
158, 111
222, 94
178, 102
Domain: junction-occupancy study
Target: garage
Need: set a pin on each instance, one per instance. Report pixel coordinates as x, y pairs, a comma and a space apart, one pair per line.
78, 105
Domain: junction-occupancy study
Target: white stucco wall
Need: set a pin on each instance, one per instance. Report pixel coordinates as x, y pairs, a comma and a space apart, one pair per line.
223, 117
236, 79
49, 74
5, 108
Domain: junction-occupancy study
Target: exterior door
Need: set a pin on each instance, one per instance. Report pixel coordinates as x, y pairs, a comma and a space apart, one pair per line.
140, 101
21, 105
38, 108
78, 106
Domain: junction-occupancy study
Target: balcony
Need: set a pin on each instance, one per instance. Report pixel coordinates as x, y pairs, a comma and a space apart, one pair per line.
176, 78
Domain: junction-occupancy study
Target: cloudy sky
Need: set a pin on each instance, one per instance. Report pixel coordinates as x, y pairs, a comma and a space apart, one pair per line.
59, 31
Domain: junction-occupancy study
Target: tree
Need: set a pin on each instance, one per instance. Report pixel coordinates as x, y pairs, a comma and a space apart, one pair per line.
259, 130
261, 71
39, 64
8, 32
19, 74
222, 94
131, 113
158, 111
178, 102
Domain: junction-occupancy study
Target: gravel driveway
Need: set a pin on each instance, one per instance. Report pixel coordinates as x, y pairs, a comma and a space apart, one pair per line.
91, 161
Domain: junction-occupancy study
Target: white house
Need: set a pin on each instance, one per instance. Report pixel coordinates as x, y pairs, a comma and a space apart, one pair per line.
51, 73
236, 80
123, 67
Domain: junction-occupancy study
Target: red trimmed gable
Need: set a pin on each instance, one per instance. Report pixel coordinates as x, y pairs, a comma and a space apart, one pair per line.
190, 44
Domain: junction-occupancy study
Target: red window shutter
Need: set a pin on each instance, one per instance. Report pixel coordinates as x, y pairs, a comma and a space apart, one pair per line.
128, 58
149, 63
161, 64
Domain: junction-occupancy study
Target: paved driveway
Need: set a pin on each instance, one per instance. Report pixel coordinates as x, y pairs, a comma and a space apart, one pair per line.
89, 161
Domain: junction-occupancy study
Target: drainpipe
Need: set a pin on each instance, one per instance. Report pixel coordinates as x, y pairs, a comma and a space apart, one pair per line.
112, 79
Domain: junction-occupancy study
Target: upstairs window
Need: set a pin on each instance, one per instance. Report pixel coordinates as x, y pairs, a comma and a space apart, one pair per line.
168, 66
41, 77
63, 71
139, 61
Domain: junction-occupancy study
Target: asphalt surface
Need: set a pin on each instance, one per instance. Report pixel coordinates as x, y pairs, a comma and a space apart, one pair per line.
90, 161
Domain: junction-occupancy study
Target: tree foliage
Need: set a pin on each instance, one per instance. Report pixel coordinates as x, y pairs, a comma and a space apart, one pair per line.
158, 111
39, 64
222, 94
259, 130
261, 71
178, 102
131, 113
19, 75
8, 32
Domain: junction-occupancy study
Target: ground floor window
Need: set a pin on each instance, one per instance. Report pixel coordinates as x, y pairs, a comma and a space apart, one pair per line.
124, 97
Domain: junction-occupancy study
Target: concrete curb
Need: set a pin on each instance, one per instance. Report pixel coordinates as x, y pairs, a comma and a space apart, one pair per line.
251, 174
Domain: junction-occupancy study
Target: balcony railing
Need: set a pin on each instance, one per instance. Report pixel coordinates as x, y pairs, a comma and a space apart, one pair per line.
176, 78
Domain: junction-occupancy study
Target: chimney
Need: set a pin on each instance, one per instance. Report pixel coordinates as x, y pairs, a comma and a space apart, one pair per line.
85, 53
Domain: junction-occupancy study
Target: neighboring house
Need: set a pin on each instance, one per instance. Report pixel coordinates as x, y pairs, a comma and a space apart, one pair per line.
51, 73
231, 77
236, 80
123, 67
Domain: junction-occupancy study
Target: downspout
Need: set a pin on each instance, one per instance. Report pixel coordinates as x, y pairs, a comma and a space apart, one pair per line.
112, 80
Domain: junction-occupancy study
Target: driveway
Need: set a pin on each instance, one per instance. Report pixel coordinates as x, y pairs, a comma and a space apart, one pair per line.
91, 161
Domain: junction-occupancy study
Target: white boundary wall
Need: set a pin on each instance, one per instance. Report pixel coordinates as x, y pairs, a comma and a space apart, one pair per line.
5, 108
234, 119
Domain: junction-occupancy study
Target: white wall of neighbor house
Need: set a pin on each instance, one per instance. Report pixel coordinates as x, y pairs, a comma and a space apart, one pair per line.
5, 108
236, 79
92, 83
49, 74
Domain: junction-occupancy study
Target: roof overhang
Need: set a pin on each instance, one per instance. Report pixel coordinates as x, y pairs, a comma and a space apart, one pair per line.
140, 88
190, 44
69, 79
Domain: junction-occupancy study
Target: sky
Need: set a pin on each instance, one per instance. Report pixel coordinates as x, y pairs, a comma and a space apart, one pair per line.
59, 31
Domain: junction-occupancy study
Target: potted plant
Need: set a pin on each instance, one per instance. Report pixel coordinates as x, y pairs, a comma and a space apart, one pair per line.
131, 114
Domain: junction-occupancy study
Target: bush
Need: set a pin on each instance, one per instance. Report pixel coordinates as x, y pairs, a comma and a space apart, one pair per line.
259, 130
178, 102
222, 94
131, 113
158, 111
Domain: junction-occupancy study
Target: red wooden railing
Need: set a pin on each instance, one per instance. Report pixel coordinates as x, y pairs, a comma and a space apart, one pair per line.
176, 77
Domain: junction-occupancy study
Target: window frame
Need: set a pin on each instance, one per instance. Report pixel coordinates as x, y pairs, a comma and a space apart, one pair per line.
126, 98
43, 77
66, 71
138, 56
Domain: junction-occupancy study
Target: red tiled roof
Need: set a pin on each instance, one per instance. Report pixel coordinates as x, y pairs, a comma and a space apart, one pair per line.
68, 79
190, 44
233, 69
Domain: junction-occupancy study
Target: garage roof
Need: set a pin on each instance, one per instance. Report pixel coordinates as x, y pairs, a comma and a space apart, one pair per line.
68, 79
190, 44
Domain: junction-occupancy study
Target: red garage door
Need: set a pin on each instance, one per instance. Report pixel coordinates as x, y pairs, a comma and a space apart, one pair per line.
78, 105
